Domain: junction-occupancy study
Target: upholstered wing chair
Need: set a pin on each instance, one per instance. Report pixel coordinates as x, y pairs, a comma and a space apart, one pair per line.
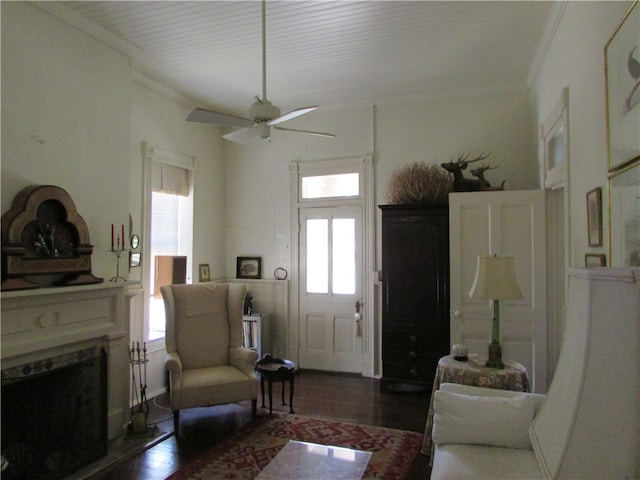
206, 361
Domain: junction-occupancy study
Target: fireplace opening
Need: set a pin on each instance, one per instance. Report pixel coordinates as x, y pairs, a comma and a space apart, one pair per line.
54, 416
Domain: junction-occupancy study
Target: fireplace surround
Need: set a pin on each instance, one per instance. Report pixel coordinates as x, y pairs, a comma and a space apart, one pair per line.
54, 415
45, 323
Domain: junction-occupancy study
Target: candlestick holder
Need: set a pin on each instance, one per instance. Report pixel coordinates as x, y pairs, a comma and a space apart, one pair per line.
118, 253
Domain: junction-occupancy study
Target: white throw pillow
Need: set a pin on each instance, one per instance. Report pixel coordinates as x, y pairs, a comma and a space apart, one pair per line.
497, 421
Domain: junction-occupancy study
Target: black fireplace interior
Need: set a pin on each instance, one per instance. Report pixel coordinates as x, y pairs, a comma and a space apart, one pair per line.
54, 419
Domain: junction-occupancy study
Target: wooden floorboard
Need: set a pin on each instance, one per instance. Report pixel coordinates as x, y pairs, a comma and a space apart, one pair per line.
341, 397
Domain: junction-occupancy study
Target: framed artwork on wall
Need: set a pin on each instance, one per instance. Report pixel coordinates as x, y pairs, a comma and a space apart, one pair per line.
624, 216
595, 260
204, 274
594, 217
135, 259
622, 76
249, 267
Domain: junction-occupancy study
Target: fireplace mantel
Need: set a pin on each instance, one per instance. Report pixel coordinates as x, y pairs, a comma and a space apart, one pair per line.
43, 323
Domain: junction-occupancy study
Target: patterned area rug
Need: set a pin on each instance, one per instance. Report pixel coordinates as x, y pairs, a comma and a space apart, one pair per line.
250, 449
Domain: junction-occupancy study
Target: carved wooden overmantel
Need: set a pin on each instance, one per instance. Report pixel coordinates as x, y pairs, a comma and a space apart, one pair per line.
45, 241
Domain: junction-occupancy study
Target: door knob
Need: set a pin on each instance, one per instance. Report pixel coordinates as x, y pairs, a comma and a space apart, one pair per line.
358, 317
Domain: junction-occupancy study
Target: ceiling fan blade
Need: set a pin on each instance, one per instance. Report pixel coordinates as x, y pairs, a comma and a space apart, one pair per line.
214, 118
243, 135
292, 114
308, 132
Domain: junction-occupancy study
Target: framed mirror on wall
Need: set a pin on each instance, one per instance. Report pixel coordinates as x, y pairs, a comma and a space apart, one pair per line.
624, 216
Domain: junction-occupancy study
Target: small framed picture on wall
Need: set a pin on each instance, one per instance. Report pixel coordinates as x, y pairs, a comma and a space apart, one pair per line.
249, 267
595, 260
203, 270
594, 217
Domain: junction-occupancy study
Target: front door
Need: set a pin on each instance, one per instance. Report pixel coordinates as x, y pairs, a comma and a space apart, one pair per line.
331, 264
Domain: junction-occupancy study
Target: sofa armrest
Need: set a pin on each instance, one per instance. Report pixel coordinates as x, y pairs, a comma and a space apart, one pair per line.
172, 362
244, 359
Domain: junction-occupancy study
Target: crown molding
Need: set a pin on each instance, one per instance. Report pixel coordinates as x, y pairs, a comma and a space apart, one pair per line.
168, 92
549, 32
87, 26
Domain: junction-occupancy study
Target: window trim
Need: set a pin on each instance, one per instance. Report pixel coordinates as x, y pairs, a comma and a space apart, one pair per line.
151, 154
372, 354
316, 168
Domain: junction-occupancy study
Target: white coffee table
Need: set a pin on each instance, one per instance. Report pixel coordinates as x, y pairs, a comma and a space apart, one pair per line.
303, 460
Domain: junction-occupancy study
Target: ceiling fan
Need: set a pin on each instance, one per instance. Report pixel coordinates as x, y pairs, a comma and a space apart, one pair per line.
262, 113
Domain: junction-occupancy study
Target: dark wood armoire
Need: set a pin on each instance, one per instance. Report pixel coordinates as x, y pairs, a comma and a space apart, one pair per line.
415, 299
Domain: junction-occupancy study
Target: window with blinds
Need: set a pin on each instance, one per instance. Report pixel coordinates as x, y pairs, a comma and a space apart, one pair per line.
171, 225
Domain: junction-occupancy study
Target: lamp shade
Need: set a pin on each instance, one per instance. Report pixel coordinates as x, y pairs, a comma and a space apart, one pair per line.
495, 279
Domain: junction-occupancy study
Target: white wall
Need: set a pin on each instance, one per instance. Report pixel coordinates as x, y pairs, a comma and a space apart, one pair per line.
158, 118
66, 119
397, 133
258, 207
575, 59
432, 131
68, 89
73, 117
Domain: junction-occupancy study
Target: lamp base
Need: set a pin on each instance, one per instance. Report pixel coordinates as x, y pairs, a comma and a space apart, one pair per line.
495, 356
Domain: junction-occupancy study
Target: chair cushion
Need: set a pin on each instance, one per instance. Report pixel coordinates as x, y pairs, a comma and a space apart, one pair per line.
484, 462
201, 387
202, 325
471, 419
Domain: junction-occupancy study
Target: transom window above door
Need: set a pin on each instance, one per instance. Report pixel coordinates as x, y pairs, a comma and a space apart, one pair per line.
329, 186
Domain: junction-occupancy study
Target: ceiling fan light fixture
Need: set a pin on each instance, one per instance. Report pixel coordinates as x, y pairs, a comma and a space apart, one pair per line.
263, 110
265, 130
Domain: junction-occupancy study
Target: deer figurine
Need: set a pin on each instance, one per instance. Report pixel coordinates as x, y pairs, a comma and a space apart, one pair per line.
462, 184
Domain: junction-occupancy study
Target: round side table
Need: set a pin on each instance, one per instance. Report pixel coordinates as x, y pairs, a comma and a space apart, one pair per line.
276, 370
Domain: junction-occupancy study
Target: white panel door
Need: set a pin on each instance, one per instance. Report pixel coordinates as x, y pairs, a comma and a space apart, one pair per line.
331, 282
501, 223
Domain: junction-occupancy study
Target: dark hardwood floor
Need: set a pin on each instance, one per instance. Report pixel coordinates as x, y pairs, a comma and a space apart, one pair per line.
347, 398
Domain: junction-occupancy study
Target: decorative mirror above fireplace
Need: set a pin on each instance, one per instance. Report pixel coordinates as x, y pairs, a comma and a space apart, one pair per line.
45, 241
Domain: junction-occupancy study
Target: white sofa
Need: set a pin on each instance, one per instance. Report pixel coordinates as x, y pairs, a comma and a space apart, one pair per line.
587, 426
470, 444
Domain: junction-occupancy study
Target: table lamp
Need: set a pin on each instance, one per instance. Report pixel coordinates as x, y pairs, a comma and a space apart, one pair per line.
495, 280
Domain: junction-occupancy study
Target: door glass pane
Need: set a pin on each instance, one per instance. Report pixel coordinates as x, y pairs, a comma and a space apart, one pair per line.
325, 186
317, 256
556, 148
344, 256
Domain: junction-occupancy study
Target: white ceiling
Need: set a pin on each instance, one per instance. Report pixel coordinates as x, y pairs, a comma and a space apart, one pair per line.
325, 52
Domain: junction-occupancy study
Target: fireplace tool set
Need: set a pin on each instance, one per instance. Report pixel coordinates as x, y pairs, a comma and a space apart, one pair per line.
139, 404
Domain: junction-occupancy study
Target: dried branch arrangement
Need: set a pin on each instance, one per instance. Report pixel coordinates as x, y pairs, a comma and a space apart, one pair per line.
418, 183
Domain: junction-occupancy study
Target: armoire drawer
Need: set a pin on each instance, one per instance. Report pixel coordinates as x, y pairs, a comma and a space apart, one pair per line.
411, 339
422, 371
